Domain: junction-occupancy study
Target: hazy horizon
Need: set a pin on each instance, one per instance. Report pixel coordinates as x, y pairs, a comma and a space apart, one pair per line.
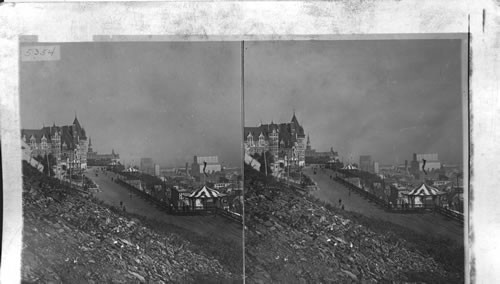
165, 100
384, 98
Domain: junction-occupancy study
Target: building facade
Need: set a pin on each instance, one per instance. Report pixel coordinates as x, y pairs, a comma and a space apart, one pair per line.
96, 159
365, 163
431, 162
68, 144
147, 166
212, 165
285, 141
157, 170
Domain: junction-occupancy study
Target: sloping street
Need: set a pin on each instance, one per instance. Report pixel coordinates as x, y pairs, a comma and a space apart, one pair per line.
112, 193
423, 223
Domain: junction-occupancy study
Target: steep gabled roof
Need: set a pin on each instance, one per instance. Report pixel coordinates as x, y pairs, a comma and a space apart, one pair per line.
31, 132
254, 131
294, 119
67, 136
284, 130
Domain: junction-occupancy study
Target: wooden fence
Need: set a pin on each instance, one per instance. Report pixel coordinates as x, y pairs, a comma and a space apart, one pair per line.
452, 214
183, 210
455, 215
230, 215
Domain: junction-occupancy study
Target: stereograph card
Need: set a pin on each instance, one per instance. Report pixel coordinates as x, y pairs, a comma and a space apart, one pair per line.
249, 142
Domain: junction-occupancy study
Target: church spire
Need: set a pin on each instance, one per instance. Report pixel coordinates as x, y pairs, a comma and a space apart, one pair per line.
294, 118
75, 121
308, 145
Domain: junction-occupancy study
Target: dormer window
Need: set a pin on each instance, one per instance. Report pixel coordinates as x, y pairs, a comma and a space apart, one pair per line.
44, 143
250, 139
261, 140
33, 142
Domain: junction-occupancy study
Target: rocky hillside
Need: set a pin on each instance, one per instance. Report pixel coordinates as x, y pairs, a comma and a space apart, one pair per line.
69, 237
292, 238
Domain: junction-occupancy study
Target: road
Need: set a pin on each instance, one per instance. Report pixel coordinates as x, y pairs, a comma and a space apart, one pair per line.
423, 223
112, 193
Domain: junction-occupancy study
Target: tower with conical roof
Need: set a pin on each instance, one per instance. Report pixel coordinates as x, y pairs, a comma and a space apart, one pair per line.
80, 143
308, 145
90, 144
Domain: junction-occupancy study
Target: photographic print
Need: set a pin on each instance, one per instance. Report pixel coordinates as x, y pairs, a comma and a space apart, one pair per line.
354, 160
381, 166
131, 162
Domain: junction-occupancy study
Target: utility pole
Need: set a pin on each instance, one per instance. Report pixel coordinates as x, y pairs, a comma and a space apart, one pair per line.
265, 162
48, 165
70, 175
288, 172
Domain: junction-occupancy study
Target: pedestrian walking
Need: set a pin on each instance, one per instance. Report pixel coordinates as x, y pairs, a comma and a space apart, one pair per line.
340, 202
342, 206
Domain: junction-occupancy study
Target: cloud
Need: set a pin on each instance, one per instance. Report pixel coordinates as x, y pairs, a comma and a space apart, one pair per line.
168, 101
358, 96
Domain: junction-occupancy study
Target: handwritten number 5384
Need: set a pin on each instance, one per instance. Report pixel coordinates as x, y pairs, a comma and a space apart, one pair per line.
41, 52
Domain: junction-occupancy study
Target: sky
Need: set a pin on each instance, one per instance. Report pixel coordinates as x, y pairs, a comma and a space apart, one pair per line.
167, 101
384, 98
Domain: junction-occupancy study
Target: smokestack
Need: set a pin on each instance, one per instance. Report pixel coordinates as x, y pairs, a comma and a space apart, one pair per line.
414, 156
406, 164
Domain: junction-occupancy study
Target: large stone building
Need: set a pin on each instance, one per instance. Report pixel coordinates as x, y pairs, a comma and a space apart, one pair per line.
431, 163
147, 166
96, 159
285, 141
313, 157
68, 144
365, 163
212, 165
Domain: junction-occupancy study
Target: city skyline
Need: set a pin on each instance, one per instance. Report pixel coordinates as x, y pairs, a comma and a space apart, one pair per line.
384, 98
165, 100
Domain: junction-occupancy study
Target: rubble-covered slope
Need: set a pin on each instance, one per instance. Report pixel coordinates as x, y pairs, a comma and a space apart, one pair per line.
70, 238
291, 238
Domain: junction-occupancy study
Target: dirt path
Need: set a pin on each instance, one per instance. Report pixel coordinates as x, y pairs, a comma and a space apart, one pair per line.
424, 223
112, 193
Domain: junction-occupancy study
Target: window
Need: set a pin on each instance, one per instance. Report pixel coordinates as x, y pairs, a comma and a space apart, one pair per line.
44, 143
33, 142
